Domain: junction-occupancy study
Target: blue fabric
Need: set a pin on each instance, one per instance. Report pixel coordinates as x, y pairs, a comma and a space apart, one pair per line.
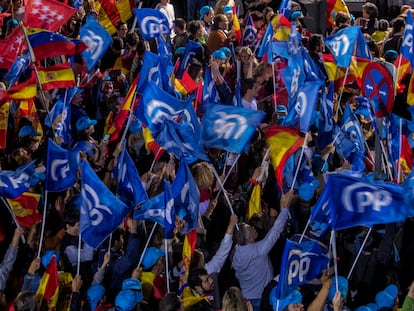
191, 49
19, 66
249, 34
229, 128
407, 44
14, 183
325, 118
153, 209
169, 220
101, 211
152, 23
153, 71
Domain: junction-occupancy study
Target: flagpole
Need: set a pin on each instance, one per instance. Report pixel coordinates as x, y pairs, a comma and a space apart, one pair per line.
359, 253
274, 86
396, 78
166, 265
228, 174
304, 230
335, 256
42, 231
399, 154
300, 161
33, 59
222, 187
79, 253
147, 243
342, 91
134, 24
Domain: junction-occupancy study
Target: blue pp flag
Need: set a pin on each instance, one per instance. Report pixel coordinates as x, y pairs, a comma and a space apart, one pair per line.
129, 189
179, 139
237, 98
210, 93
14, 183
325, 118
343, 43
229, 128
156, 106
97, 39
152, 23
153, 71
407, 49
301, 114
266, 44
320, 219
250, 33
19, 66
61, 168
409, 193
186, 197
349, 149
301, 262
192, 48
285, 7
352, 128
169, 220
357, 202
101, 212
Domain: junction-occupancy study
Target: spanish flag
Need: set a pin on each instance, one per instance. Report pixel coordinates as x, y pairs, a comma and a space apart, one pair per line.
58, 76
332, 8
403, 70
25, 209
283, 142
49, 285
255, 202
236, 26
27, 109
24, 90
4, 117
281, 28
150, 143
185, 85
188, 250
358, 66
111, 12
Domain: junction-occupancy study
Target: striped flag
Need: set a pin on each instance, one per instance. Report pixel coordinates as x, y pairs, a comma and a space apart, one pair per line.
49, 285
236, 26
188, 250
332, 8
57, 76
283, 142
27, 109
255, 202
111, 12
24, 90
4, 118
25, 209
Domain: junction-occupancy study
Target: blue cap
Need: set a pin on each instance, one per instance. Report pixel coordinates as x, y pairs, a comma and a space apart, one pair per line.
342, 287
12, 23
180, 50
296, 15
84, 122
386, 298
28, 131
391, 55
372, 307
281, 109
294, 297
127, 299
136, 126
219, 54
47, 257
95, 293
228, 9
226, 51
132, 283
307, 190
151, 256
204, 10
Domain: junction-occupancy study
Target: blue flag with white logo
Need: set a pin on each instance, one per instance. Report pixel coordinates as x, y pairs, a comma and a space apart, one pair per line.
169, 221
19, 66
266, 44
186, 197
407, 49
152, 209
320, 219
153, 71
250, 33
343, 43
129, 189
352, 128
14, 183
101, 212
152, 23
301, 263
347, 147
325, 118
285, 7
192, 48
357, 202
179, 139
97, 39
156, 106
409, 193
61, 168
301, 114
228, 127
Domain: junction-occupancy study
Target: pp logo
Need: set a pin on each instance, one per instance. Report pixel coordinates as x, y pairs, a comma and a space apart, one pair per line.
94, 43
360, 197
94, 206
298, 267
229, 125
301, 104
408, 38
152, 26
59, 169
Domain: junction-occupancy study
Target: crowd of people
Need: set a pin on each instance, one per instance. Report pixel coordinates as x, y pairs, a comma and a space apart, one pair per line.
237, 257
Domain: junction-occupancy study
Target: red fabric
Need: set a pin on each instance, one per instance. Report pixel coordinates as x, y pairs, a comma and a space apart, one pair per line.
10, 47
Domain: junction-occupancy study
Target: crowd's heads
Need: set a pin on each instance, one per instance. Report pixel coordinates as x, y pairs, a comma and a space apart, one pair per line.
26, 301
195, 29
233, 300
245, 234
386, 299
170, 302
221, 22
369, 10
28, 131
342, 18
207, 14
151, 257
203, 175
95, 294
199, 280
342, 288
294, 298
307, 190
84, 123
121, 29
129, 296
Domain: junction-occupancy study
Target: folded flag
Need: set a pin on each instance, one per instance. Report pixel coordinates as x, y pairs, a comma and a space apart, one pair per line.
57, 76
25, 209
49, 285
14, 183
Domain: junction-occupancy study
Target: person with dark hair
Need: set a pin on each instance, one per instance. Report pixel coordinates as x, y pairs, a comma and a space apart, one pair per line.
316, 47
250, 91
200, 290
121, 30
26, 301
370, 14
181, 35
115, 50
251, 261
171, 302
342, 20
218, 36
395, 37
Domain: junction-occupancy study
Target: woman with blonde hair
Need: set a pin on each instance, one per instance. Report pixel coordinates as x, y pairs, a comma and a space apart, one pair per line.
233, 300
246, 62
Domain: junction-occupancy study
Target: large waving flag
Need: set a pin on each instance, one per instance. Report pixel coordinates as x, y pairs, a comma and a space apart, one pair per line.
320, 220
192, 48
250, 33
326, 118
24, 90
111, 12
57, 76
153, 209
129, 189
10, 47
156, 106
343, 43
229, 127
283, 142
210, 93
97, 40
25, 208
352, 128
48, 44
101, 211
153, 71
152, 23
358, 202
61, 168
186, 197
14, 183
407, 49
301, 114
332, 8
179, 139
47, 14
49, 285
301, 262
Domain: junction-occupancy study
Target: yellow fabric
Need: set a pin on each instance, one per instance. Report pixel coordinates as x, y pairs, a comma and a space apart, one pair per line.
255, 206
340, 6
190, 298
147, 280
54, 76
